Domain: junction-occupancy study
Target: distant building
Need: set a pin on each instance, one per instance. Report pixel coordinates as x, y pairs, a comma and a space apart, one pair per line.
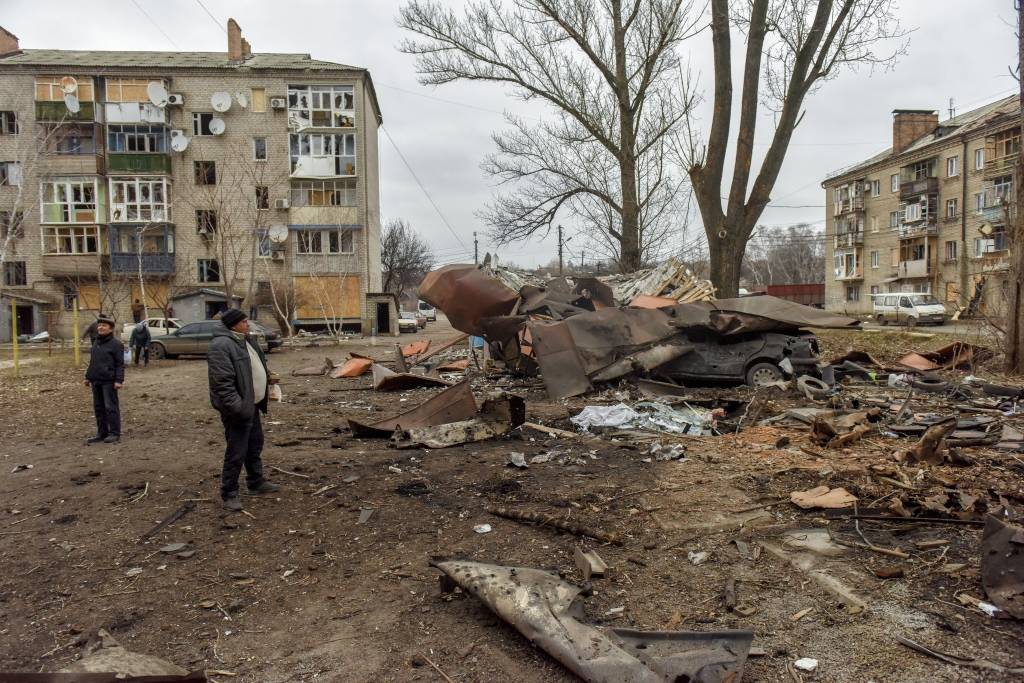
240, 171
927, 215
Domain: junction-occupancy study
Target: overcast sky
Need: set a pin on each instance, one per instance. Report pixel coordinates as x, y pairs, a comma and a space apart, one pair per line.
959, 49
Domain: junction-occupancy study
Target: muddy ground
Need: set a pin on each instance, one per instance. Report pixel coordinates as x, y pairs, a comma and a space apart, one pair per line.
301, 591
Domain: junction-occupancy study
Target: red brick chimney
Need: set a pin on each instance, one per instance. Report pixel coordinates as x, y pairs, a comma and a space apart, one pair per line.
235, 40
8, 42
909, 125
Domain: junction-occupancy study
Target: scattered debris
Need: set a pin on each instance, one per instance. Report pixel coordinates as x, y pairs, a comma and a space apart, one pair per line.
454, 404
482, 528
355, 366
806, 664
1002, 565
170, 519
548, 520
589, 562
516, 459
389, 380
823, 497
500, 414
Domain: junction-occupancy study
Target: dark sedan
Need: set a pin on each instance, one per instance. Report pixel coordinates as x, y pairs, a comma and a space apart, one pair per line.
192, 340
273, 337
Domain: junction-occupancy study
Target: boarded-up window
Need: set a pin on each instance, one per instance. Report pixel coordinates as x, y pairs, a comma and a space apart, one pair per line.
49, 89
128, 89
259, 100
952, 292
331, 297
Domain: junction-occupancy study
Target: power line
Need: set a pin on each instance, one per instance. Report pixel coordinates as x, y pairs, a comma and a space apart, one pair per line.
212, 18
424, 189
158, 27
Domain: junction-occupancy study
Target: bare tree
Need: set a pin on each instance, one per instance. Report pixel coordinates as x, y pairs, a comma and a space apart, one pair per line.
792, 47
609, 72
791, 255
405, 258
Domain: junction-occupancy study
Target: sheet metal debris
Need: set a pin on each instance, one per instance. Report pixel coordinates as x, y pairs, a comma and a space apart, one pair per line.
1002, 565
389, 380
499, 415
451, 405
548, 612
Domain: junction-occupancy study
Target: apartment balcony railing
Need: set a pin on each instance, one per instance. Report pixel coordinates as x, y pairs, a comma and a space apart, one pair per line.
849, 205
138, 162
58, 111
912, 188
997, 214
855, 274
915, 268
1000, 166
849, 239
152, 264
924, 228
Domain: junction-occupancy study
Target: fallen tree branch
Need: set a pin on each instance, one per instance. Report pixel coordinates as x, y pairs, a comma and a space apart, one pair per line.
548, 520
294, 474
957, 660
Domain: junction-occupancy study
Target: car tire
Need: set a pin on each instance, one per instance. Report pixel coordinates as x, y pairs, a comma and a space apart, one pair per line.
812, 387
761, 374
935, 385
157, 351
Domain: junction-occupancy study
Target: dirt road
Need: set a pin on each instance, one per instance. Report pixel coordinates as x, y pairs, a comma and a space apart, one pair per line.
301, 591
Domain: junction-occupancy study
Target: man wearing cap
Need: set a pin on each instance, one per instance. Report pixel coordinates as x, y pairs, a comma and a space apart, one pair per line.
105, 375
238, 390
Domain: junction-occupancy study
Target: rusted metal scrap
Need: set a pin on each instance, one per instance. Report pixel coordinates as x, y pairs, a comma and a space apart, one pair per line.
1002, 565
499, 415
451, 405
548, 520
389, 380
547, 611
466, 294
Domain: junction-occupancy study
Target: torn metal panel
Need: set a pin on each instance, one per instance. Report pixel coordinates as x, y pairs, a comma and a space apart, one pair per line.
559, 360
642, 361
499, 414
353, 367
389, 380
1002, 565
546, 610
645, 301
451, 405
416, 348
466, 294
768, 313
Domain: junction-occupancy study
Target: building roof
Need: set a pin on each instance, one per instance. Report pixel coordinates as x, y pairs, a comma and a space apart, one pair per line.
963, 123
164, 60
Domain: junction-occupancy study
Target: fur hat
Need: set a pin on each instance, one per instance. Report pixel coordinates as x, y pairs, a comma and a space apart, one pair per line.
101, 319
232, 317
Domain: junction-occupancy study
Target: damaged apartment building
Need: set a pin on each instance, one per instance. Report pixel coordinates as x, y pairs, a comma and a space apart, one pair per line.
928, 215
189, 179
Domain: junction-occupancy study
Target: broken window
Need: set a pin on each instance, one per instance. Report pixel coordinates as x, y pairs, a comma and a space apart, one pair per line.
209, 270
12, 226
259, 149
206, 221
324, 192
129, 89
10, 173
323, 106
50, 89
137, 138
138, 199
70, 295
258, 101
8, 123
205, 172
201, 123
15, 274
70, 240
319, 154
75, 140
69, 200
262, 197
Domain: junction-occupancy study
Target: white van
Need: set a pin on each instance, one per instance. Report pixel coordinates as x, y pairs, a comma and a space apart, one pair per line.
428, 311
908, 309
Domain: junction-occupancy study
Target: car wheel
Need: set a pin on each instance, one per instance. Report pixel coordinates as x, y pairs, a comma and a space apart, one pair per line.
927, 383
880, 319
762, 374
157, 351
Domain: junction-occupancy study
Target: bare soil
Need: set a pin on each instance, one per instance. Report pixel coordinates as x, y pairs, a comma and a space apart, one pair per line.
299, 590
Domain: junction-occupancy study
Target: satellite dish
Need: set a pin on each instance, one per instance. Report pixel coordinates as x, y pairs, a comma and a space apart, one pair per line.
179, 143
72, 103
157, 93
220, 101
68, 84
217, 125
278, 233
242, 100
985, 229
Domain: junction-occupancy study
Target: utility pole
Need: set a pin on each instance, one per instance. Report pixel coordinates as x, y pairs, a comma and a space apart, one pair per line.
559, 249
1015, 326
476, 249
583, 252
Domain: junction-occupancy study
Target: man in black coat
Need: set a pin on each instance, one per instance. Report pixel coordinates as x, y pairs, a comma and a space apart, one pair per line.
238, 390
105, 375
139, 342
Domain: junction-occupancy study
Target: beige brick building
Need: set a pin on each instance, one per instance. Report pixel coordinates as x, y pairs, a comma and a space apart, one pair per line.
926, 215
187, 180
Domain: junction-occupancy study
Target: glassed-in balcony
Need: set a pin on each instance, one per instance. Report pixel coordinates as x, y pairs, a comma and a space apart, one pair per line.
147, 247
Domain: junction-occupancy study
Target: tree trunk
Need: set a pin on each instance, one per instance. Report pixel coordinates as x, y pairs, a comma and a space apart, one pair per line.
726, 259
630, 252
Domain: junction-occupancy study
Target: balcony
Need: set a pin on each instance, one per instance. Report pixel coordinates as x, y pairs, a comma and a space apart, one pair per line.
157, 249
83, 266
924, 228
138, 162
916, 268
997, 214
912, 188
849, 239
1000, 166
152, 264
58, 111
849, 205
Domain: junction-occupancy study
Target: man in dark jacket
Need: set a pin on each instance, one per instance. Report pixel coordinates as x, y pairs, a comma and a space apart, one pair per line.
139, 342
105, 375
238, 390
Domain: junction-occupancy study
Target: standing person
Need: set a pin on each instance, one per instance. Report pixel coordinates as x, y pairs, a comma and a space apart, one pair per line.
105, 375
138, 311
139, 342
238, 390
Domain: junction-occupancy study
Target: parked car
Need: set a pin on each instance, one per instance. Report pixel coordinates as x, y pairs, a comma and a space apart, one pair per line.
427, 310
158, 327
192, 340
407, 322
273, 337
751, 358
908, 309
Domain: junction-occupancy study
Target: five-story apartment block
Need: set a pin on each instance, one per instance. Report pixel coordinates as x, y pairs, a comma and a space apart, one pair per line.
187, 181
927, 215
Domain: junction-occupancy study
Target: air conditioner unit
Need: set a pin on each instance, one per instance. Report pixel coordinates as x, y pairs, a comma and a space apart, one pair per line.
277, 255
278, 103
282, 203
175, 99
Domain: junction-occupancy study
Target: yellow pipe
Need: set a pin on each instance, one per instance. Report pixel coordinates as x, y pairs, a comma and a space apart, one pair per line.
74, 332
